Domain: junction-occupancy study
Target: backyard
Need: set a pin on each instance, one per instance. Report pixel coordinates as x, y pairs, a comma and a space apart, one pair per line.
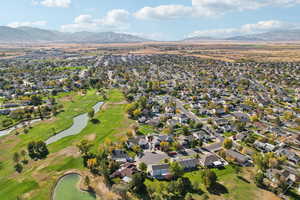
231, 186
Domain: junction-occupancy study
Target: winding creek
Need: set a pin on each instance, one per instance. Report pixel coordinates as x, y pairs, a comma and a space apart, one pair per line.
67, 188
79, 123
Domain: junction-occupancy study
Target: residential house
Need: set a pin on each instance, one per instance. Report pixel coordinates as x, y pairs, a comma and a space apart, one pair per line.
242, 117
291, 156
264, 147
189, 163
119, 156
239, 158
210, 160
141, 141
126, 170
159, 171
277, 176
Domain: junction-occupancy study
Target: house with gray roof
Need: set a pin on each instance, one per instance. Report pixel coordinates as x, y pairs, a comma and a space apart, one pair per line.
210, 160
239, 158
159, 171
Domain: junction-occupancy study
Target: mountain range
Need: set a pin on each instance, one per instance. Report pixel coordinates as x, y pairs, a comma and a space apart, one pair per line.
30, 34
287, 35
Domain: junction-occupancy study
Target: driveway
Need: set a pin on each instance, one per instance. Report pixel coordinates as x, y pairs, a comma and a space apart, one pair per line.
215, 146
150, 158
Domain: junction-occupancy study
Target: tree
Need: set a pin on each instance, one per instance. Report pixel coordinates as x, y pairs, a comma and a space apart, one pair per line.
177, 189
240, 126
18, 167
84, 147
260, 161
164, 146
91, 114
227, 144
184, 185
209, 178
176, 170
136, 148
129, 133
259, 179
130, 108
288, 115
137, 183
36, 100
26, 131
16, 157
185, 130
199, 125
136, 113
37, 150
142, 102
91, 163
7, 123
143, 167
23, 154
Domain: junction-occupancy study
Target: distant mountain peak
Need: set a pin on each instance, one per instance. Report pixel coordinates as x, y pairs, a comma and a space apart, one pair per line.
278, 35
31, 34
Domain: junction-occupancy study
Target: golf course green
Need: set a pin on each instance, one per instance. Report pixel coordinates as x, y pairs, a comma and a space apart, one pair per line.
67, 189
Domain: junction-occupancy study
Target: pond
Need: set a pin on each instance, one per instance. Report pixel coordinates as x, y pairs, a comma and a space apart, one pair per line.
67, 189
79, 123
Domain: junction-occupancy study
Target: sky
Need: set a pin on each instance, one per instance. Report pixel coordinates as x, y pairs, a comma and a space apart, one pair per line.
155, 19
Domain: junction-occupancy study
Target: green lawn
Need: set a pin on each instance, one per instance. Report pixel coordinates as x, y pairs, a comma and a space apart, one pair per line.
113, 121
235, 188
232, 186
146, 129
229, 134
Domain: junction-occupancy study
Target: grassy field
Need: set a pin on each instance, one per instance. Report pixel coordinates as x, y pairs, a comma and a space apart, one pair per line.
231, 186
38, 178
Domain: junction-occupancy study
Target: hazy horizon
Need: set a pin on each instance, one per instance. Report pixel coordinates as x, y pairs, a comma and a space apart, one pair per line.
160, 20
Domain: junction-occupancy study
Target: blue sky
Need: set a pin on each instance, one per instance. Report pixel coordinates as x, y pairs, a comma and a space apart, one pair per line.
155, 19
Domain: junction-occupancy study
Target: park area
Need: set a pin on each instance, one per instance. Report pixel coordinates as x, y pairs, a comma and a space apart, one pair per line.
39, 177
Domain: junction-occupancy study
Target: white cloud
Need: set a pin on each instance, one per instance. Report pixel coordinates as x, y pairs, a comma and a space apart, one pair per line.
116, 19
19, 24
259, 27
218, 6
204, 8
55, 3
163, 12
83, 19
270, 25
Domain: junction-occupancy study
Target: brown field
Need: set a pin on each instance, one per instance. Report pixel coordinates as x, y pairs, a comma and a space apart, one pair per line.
218, 50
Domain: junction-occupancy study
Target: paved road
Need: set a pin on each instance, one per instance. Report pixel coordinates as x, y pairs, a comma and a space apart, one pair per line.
188, 113
212, 147
217, 145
